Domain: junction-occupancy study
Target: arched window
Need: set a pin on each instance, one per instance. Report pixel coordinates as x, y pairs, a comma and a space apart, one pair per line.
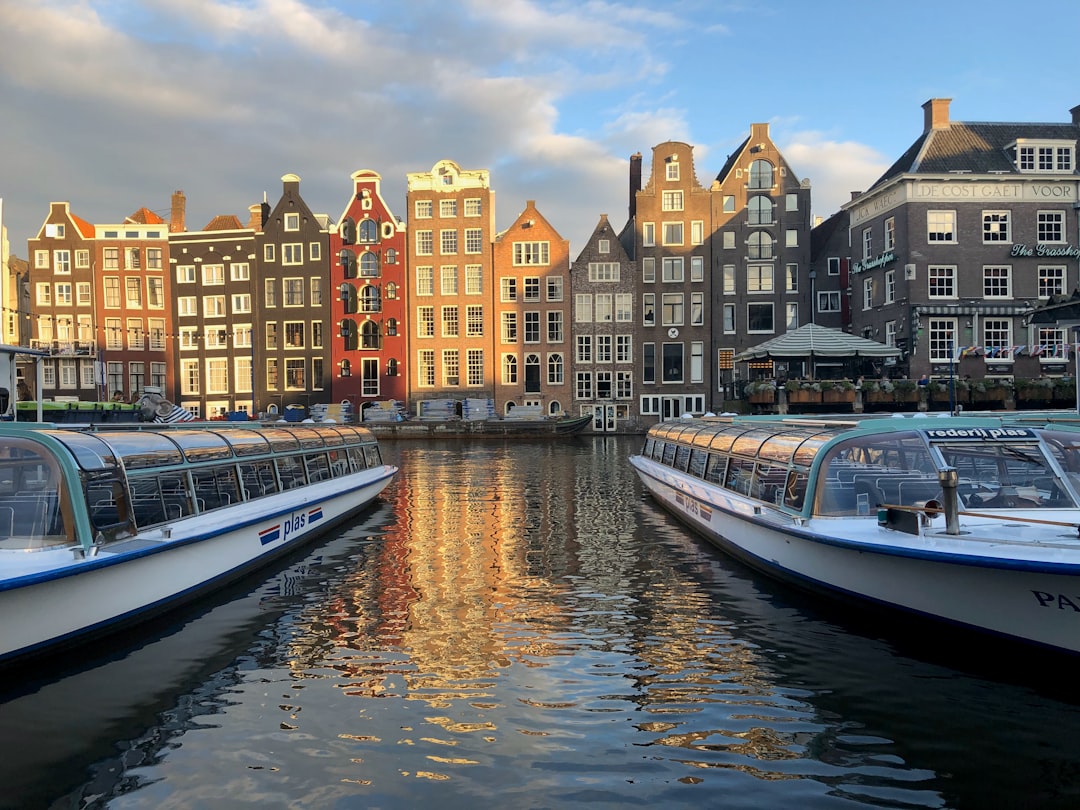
369, 231
346, 368
391, 367
348, 231
369, 265
759, 245
391, 326
760, 210
510, 369
555, 369
391, 291
391, 256
369, 299
532, 374
554, 408
369, 335
761, 174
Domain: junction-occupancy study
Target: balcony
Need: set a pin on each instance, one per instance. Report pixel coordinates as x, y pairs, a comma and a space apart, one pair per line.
65, 348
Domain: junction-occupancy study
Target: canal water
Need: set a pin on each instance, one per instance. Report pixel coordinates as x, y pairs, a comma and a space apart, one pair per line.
515, 625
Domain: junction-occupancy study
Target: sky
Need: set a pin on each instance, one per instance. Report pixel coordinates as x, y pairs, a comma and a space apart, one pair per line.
112, 105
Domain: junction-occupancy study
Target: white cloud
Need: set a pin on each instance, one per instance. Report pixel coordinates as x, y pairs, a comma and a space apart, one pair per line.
834, 168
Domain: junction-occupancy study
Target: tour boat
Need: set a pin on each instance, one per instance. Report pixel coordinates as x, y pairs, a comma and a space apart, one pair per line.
974, 521
99, 527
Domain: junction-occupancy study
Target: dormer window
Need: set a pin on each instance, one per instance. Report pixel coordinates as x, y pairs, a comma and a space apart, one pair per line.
671, 168
1046, 156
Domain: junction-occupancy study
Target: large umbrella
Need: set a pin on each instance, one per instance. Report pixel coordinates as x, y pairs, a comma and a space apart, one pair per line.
814, 341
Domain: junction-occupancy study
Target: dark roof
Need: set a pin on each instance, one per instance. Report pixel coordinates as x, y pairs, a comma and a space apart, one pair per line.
1057, 309
972, 147
729, 164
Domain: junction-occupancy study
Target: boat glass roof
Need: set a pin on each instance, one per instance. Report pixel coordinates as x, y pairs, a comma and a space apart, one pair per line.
90, 452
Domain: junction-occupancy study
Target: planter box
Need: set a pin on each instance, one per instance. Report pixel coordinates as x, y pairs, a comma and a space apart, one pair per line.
879, 396
762, 397
804, 396
838, 396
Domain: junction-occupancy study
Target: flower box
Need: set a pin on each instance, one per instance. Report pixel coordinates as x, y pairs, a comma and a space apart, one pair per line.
838, 396
762, 397
804, 395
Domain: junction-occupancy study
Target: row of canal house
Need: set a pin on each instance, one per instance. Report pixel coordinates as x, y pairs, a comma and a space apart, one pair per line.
943, 256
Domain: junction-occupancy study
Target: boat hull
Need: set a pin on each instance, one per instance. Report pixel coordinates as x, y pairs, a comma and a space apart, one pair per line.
1032, 602
61, 604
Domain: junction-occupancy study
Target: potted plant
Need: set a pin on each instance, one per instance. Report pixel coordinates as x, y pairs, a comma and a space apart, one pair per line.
838, 391
906, 390
761, 391
1065, 390
803, 391
879, 391
990, 389
1038, 390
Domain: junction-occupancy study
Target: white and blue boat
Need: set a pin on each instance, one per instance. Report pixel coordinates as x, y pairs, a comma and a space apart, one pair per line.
101, 527
972, 521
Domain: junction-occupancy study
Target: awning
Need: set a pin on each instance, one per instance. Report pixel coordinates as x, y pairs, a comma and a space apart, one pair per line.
814, 341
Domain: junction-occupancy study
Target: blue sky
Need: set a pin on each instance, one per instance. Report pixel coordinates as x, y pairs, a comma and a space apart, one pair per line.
112, 105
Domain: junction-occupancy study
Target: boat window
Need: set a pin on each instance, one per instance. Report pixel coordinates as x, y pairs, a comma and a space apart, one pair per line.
281, 440
201, 445
717, 469
749, 442
90, 452
723, 440
682, 457
291, 472
258, 479
740, 475
157, 499
246, 442
669, 454
339, 463
648, 449
998, 475
33, 504
356, 457
863, 472
309, 438
107, 499
782, 446
215, 487
698, 457
808, 450
142, 449
372, 455
795, 490
331, 436
769, 482
318, 468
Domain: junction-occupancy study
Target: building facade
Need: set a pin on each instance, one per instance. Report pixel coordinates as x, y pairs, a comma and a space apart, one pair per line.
451, 231
969, 230
368, 282
606, 331
532, 312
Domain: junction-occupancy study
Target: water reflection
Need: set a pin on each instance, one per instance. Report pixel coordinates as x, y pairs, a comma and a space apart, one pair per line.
516, 625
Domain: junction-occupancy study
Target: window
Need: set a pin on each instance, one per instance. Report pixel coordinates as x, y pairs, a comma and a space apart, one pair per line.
187, 305
82, 294
423, 209
473, 207
672, 309
791, 278
41, 259
294, 292
111, 258
554, 288
189, 376
759, 278
834, 266
294, 334
729, 319
996, 226
648, 362
697, 268
185, 274
531, 253
942, 282
941, 226
447, 208
729, 204
474, 321
673, 363
474, 240
242, 374
133, 292
509, 327
671, 169
114, 334
1051, 226
448, 242
890, 286
214, 306
294, 374
292, 254
425, 280
759, 318
217, 375
868, 293
269, 253
672, 268
369, 264
155, 292
1045, 157
554, 326
315, 251
450, 324
425, 322
828, 301
729, 279
82, 258
868, 243
603, 271
672, 201
509, 369
273, 376
555, 366
474, 279
942, 339
760, 210
624, 307
44, 293
583, 353
532, 289
624, 349
292, 222
603, 348
1051, 344
604, 308
451, 367
648, 270
791, 238
316, 335
648, 309
761, 174
792, 319
270, 292
890, 234
648, 234
448, 279
508, 288
112, 292
315, 285
532, 327
697, 232
759, 245
673, 233
270, 333
997, 338
425, 368
697, 309
425, 244
997, 282
62, 261
1051, 281
583, 385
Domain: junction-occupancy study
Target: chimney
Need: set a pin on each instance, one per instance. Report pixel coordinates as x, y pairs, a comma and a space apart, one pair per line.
178, 213
255, 220
936, 114
1076, 115
635, 182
